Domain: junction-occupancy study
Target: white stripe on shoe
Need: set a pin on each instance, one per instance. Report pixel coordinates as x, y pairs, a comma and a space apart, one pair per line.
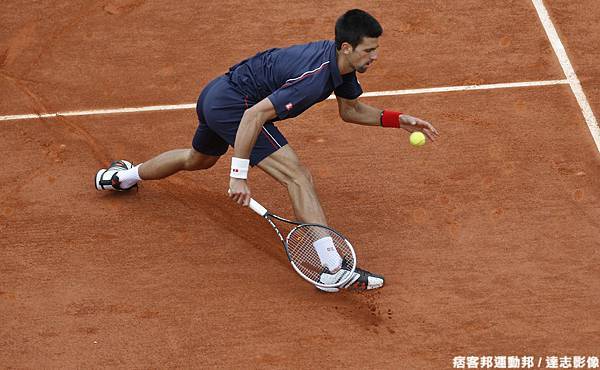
373, 282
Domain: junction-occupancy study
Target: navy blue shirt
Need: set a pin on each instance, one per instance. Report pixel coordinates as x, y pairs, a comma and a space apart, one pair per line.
294, 78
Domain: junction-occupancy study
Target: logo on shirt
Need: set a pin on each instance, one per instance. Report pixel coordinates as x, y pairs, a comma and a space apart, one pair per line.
289, 106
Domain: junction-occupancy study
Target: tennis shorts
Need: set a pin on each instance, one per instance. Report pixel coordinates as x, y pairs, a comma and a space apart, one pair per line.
220, 109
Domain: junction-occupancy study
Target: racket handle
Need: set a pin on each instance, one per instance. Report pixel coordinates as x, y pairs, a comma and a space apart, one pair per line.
256, 207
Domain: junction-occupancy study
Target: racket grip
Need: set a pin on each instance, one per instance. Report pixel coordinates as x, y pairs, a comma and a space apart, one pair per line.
256, 207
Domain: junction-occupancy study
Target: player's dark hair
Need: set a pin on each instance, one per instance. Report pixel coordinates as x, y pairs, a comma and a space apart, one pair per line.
353, 26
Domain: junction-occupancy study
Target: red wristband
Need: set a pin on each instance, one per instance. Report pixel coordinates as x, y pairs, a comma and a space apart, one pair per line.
390, 119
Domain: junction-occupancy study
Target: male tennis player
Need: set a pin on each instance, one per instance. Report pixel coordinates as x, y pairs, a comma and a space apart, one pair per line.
239, 109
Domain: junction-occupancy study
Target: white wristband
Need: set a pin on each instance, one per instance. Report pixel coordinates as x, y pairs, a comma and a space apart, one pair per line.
239, 168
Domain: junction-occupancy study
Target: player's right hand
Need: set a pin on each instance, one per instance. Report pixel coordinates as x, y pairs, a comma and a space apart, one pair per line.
239, 191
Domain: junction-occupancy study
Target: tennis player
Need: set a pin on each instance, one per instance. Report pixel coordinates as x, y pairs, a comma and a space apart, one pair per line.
240, 108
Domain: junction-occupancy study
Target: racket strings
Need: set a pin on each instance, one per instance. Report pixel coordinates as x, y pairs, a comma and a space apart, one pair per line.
303, 254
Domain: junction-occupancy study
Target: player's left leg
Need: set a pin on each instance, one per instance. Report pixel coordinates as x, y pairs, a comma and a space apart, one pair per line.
284, 166
360, 280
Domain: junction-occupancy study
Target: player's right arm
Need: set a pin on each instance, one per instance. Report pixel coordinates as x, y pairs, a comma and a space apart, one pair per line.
252, 122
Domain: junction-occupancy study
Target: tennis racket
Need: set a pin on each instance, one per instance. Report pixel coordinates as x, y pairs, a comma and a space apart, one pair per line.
301, 253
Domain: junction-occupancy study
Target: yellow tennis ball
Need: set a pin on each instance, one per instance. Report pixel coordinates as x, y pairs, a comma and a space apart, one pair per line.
417, 138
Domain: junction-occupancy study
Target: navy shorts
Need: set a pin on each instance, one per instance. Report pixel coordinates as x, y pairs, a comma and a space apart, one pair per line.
220, 108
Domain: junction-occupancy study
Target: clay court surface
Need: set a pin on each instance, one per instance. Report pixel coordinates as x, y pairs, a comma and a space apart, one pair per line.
488, 238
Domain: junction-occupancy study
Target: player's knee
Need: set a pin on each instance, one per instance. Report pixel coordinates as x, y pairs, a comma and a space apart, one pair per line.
198, 161
301, 176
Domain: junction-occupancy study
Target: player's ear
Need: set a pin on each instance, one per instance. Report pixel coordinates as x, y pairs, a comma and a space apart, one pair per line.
346, 48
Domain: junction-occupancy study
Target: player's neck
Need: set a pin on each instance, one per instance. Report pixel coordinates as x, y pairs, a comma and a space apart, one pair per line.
343, 64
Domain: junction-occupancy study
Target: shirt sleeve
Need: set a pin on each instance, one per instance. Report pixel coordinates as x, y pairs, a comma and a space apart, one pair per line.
350, 87
289, 99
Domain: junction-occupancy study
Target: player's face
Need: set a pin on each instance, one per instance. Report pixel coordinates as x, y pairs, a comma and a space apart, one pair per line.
364, 54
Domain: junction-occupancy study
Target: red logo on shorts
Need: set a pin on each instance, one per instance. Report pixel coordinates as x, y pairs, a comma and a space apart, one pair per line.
289, 106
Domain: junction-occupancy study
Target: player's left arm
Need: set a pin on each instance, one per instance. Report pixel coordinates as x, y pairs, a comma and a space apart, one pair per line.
355, 111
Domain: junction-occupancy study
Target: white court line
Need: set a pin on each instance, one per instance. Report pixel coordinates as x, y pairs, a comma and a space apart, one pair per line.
463, 88
559, 49
151, 108
154, 108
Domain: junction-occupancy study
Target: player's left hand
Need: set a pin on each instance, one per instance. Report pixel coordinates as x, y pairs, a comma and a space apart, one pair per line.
412, 124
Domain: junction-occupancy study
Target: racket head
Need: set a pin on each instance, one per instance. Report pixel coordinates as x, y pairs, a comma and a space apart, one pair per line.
305, 260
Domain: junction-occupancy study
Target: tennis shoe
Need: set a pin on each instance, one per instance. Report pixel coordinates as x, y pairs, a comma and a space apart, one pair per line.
108, 178
359, 280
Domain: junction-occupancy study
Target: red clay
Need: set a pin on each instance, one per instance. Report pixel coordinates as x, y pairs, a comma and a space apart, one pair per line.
488, 239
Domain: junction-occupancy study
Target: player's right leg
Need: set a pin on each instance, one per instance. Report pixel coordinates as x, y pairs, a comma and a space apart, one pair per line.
171, 162
121, 175
207, 148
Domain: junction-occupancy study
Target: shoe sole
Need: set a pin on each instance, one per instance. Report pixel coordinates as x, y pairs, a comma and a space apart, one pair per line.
97, 179
335, 290
101, 172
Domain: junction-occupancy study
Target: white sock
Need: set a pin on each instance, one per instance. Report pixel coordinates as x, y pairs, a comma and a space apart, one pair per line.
328, 255
128, 178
